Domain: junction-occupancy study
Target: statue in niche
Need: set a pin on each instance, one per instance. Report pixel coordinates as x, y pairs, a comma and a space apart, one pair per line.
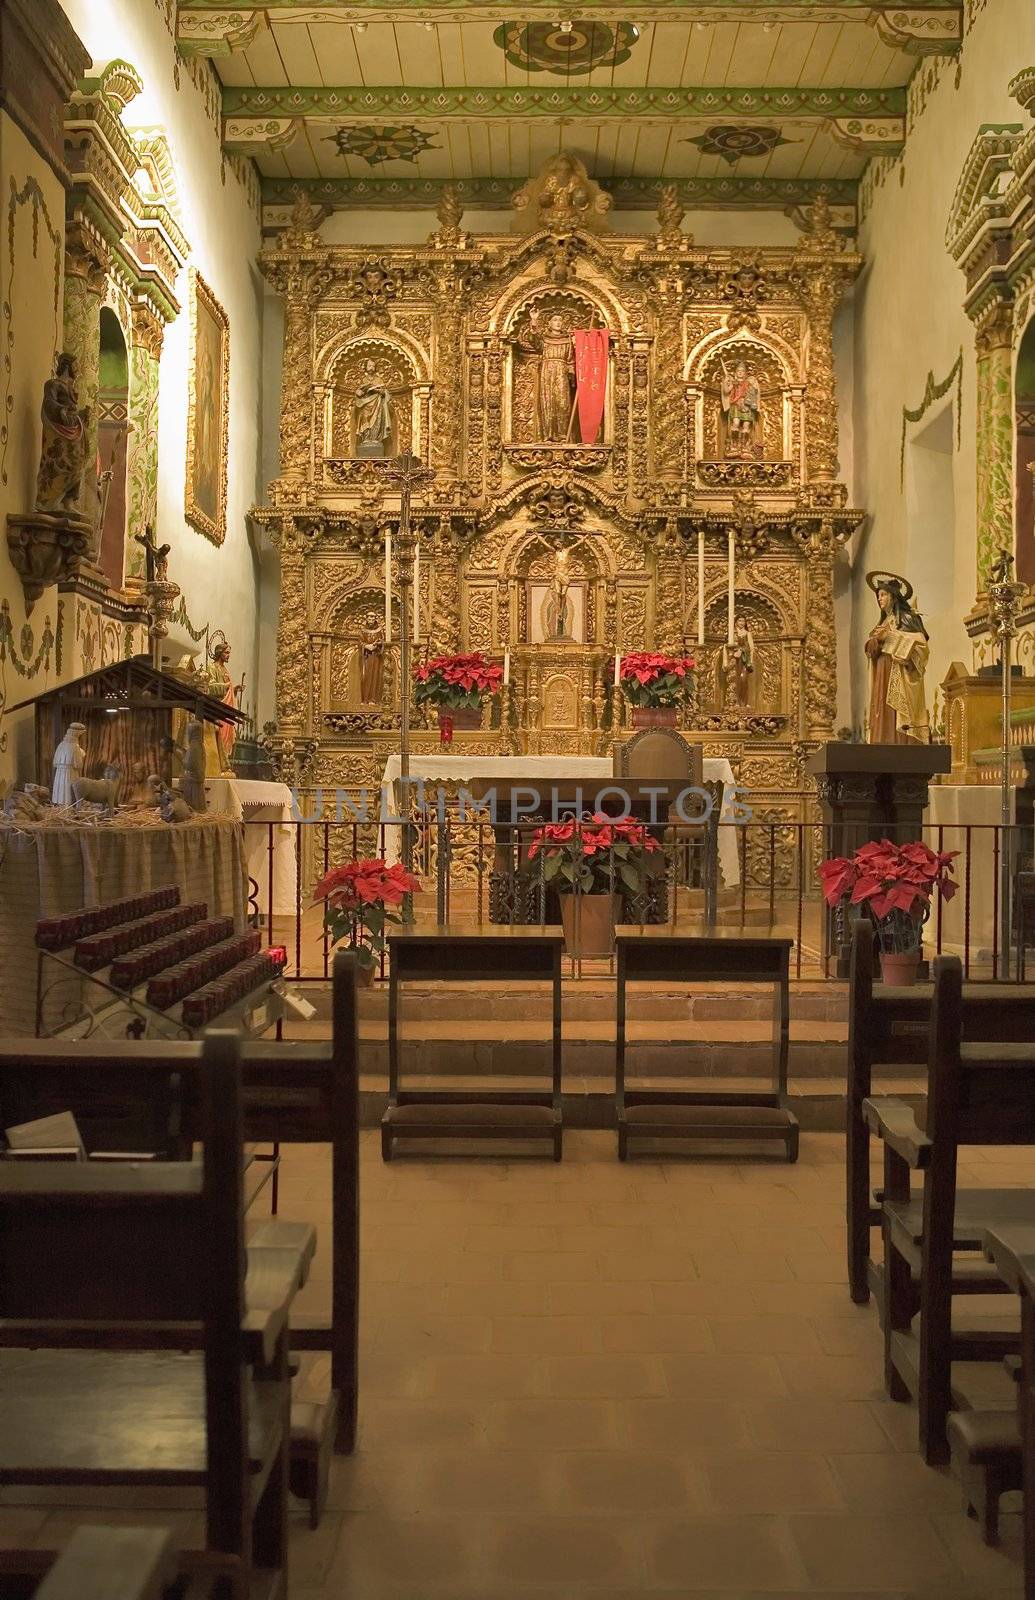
373, 414
898, 650
550, 347
557, 606
740, 399
59, 481
371, 660
738, 664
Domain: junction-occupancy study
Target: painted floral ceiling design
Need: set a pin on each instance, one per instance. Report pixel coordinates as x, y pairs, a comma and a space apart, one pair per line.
733, 144
546, 47
377, 143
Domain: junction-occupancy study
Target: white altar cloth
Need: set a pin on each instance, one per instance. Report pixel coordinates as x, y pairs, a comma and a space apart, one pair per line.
460, 769
256, 801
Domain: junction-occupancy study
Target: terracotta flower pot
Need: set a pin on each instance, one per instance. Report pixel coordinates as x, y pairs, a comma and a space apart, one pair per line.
589, 926
654, 716
898, 967
365, 977
464, 718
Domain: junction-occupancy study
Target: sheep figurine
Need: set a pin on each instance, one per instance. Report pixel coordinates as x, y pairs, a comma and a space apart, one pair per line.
98, 791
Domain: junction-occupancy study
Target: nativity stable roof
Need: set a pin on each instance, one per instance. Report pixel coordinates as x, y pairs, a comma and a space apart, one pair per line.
131, 684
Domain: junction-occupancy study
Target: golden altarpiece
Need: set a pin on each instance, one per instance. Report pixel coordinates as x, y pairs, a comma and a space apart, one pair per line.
440, 350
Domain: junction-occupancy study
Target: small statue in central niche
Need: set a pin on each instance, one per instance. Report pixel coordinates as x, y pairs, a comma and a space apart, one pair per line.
373, 414
551, 346
740, 399
371, 660
738, 664
557, 608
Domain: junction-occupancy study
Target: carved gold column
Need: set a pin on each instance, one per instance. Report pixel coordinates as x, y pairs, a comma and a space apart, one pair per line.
820, 655
87, 263
995, 431
292, 652
668, 598
445, 604
142, 443
639, 423
820, 280
302, 276
449, 406
668, 406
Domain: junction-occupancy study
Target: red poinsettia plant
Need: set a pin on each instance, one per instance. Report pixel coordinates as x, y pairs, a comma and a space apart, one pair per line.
457, 682
894, 882
594, 854
648, 678
357, 900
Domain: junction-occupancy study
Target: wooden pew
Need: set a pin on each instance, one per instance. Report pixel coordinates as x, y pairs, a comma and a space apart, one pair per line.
654, 955
294, 1092
977, 1094
474, 955
889, 1026
111, 1564
109, 1275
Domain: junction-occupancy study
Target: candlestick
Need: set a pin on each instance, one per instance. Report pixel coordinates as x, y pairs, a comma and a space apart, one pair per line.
416, 592
700, 589
618, 668
729, 594
388, 585
506, 666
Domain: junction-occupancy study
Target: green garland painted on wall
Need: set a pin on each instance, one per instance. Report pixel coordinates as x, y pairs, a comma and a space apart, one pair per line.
932, 391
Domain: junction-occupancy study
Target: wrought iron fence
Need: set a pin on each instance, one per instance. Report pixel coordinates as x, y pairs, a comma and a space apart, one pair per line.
759, 876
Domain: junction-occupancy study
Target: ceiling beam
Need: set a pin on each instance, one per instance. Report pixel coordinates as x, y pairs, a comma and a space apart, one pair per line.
494, 194
586, 10
555, 103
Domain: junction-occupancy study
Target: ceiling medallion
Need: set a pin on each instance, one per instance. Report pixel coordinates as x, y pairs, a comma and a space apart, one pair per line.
734, 143
376, 143
547, 47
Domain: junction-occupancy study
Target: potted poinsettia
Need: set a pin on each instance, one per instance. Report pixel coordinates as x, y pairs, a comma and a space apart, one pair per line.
359, 900
656, 686
894, 883
458, 686
589, 862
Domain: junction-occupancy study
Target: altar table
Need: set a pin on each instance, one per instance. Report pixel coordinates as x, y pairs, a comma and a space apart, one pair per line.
47, 870
254, 800
597, 771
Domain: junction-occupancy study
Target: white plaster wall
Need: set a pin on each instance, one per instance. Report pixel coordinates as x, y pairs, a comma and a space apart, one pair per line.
910, 321
29, 340
219, 584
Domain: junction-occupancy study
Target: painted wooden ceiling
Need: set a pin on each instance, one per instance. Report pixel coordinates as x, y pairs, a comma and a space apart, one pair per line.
745, 102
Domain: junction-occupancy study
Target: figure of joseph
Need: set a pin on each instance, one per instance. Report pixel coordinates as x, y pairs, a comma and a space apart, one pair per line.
898, 650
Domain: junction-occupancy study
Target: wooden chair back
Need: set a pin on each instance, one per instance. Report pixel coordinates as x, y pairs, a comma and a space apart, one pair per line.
977, 1094
123, 1100
659, 754
889, 1026
101, 1256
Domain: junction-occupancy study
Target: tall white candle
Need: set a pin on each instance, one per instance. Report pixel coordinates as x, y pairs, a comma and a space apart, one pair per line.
506, 666
618, 668
729, 590
388, 585
700, 589
416, 593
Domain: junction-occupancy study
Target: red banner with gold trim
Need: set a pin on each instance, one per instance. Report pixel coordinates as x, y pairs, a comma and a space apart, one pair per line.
591, 351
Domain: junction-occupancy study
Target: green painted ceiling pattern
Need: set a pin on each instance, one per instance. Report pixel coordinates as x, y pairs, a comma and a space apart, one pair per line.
722, 94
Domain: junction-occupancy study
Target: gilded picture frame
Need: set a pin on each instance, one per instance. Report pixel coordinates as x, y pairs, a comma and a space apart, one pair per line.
208, 412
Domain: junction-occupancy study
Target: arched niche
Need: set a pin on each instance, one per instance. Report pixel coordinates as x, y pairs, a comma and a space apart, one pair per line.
342, 665
536, 568
362, 365
771, 690
1024, 425
112, 434
763, 366
546, 309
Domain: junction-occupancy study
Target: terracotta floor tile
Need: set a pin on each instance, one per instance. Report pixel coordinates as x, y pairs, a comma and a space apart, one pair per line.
746, 1483
476, 1482
604, 1377
652, 1334
629, 1485
873, 1552
546, 1335
601, 1297
493, 1376
704, 1299
580, 1552
735, 1553
842, 1377
764, 1333
893, 1483
374, 1548
688, 1427
827, 1426
552, 1423
704, 1376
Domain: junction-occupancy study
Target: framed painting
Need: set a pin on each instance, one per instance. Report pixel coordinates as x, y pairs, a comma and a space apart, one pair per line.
208, 412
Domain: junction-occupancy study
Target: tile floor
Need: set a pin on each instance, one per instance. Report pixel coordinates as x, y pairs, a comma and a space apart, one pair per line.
619, 1381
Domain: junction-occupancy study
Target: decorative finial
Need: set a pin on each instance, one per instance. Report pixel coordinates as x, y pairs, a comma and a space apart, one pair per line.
670, 217
450, 213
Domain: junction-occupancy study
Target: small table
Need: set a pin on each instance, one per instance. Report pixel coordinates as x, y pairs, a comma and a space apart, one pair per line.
654, 955
270, 836
473, 955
